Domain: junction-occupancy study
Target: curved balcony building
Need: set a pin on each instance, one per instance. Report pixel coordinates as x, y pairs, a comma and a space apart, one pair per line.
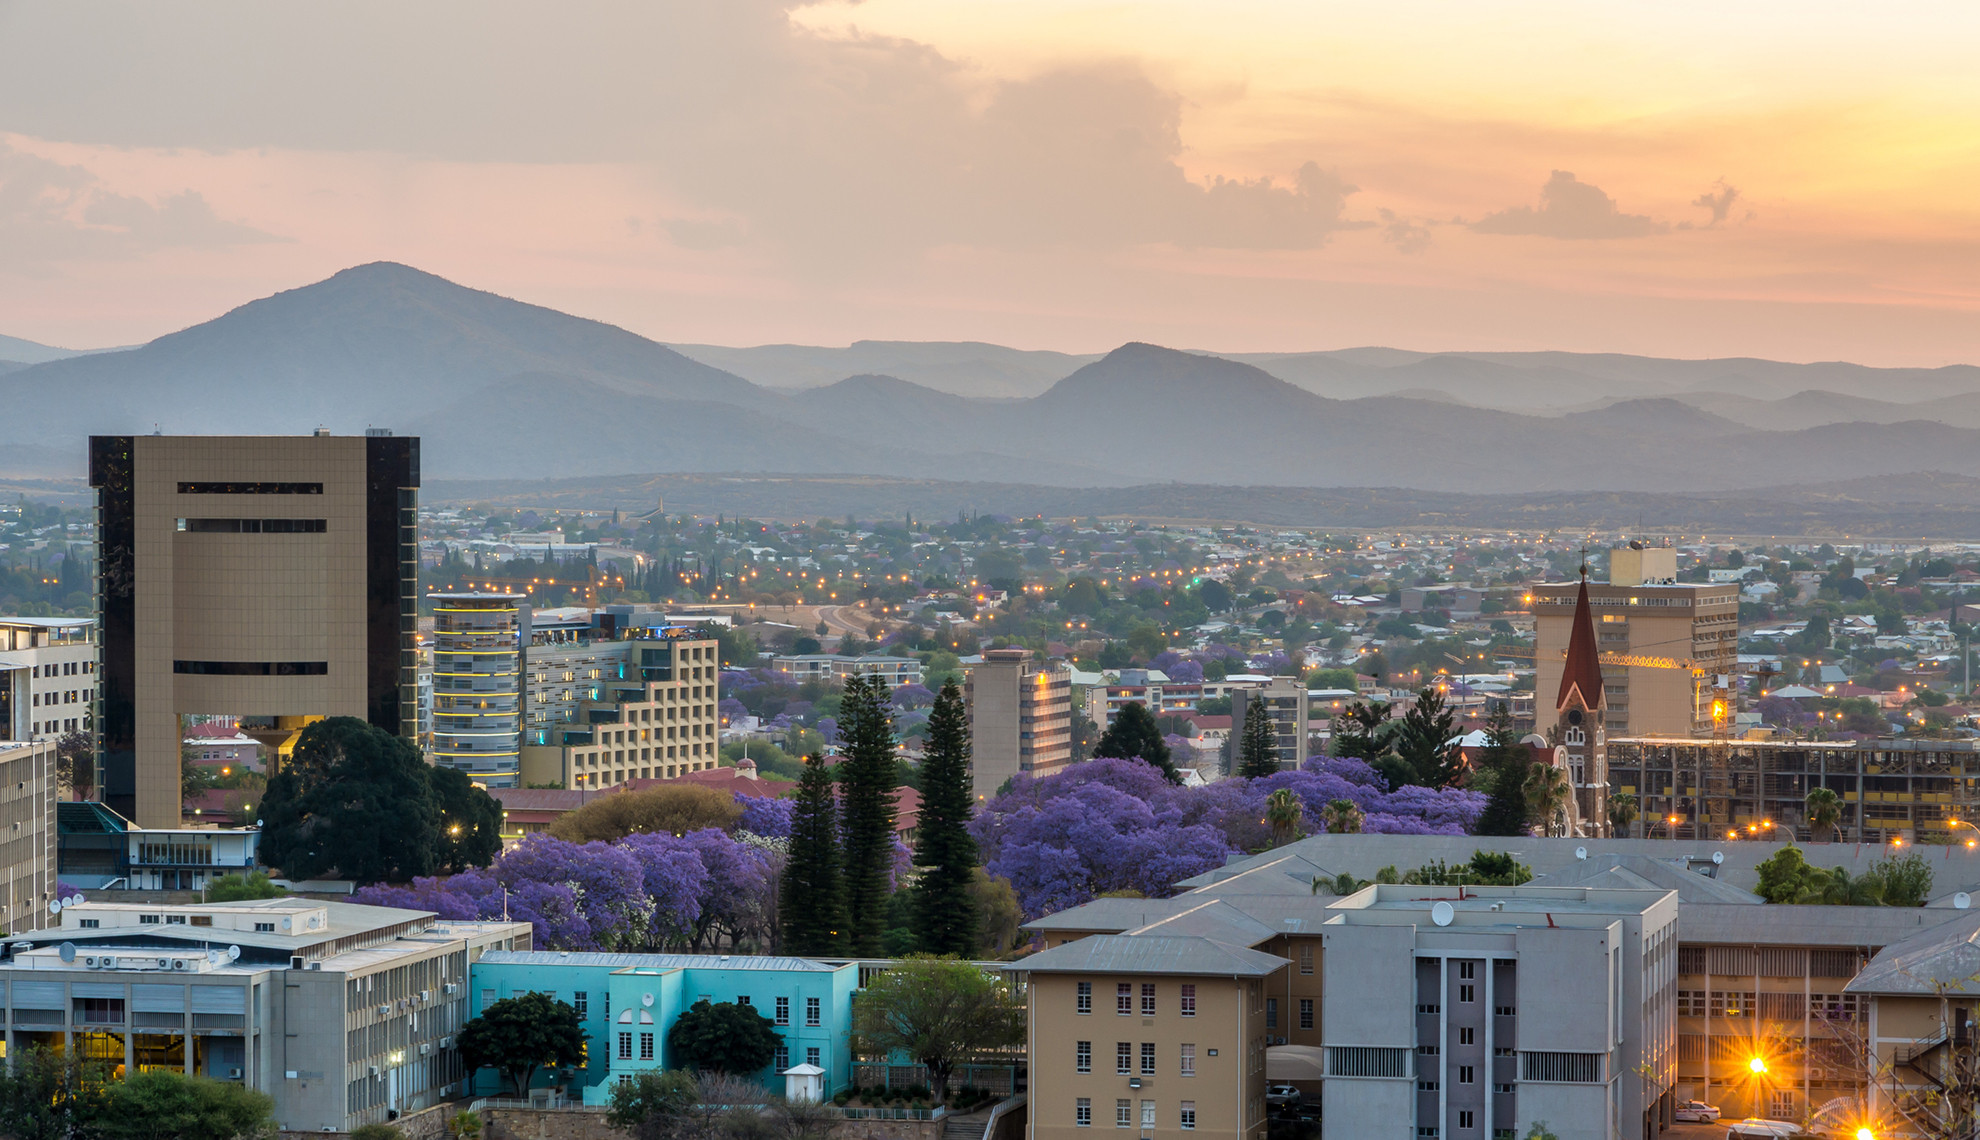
477, 686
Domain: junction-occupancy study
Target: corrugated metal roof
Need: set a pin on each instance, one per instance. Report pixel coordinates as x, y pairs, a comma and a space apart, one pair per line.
1943, 957
1151, 954
1783, 925
1114, 915
653, 961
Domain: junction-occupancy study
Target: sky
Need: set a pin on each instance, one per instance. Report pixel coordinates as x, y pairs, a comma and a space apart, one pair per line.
1792, 181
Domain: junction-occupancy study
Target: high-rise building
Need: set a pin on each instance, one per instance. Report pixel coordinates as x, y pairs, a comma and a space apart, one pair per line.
27, 850
253, 576
477, 686
604, 704
47, 677
1020, 718
1283, 701
1663, 647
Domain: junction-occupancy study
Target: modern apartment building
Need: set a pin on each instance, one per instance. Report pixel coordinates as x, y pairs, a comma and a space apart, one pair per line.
1908, 790
27, 835
1020, 718
1155, 1033
252, 576
47, 677
344, 1014
895, 671
1163, 697
1283, 701
477, 686
1663, 646
618, 705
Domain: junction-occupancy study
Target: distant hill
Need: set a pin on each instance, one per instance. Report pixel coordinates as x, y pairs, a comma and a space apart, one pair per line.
503, 389
13, 348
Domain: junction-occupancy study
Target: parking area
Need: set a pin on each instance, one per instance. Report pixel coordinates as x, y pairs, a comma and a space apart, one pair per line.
1696, 1132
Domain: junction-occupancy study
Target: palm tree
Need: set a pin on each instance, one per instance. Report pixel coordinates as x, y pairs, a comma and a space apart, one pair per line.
1285, 813
1836, 888
1824, 812
1341, 817
1547, 791
1622, 813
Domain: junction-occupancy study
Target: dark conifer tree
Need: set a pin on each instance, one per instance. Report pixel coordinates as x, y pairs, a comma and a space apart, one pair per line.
1258, 754
1134, 733
1508, 760
867, 778
944, 912
812, 896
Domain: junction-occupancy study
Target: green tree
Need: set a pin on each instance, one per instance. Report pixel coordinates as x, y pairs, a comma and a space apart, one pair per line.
1786, 877
1424, 740
1363, 731
1342, 817
164, 1105
662, 1097
1134, 734
1258, 744
998, 917
944, 912
354, 801
46, 1096
1824, 808
470, 832
1547, 793
376, 1132
723, 1037
812, 901
1506, 758
75, 765
941, 1012
242, 888
867, 778
1284, 813
519, 1035
1906, 881
194, 778
1622, 813
464, 1125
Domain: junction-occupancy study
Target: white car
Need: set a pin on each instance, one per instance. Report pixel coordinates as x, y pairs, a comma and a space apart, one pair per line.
1697, 1110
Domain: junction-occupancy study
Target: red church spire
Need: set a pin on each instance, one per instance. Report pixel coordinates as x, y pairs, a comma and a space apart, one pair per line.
1582, 675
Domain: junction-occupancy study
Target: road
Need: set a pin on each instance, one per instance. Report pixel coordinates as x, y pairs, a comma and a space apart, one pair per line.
844, 620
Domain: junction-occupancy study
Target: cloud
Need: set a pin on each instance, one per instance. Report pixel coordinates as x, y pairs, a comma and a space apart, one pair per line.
1406, 235
1720, 202
1569, 209
52, 211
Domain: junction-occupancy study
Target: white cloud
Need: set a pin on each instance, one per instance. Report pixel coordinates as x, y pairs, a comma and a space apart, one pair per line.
1570, 209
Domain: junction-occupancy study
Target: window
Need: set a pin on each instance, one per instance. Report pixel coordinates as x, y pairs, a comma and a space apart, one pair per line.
1466, 971
742, 999
1426, 1086
646, 1046
1271, 1013
175, 920
93, 923
811, 1016
264, 928
1466, 1118
1086, 997
1084, 1055
1123, 1057
1503, 1010
1124, 999
1306, 958
783, 1059
783, 1011
1083, 1112
1147, 1115
1466, 1035
1147, 1058
1466, 1074
1148, 999
1306, 1013
1123, 1114
1186, 1112
1188, 1001
625, 1046
811, 1056
581, 1001
1502, 1087
1429, 1007
1467, 993
1187, 1063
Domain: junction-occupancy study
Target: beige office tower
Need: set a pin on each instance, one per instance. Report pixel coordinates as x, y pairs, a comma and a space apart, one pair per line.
250, 576
1664, 647
27, 847
477, 686
1020, 719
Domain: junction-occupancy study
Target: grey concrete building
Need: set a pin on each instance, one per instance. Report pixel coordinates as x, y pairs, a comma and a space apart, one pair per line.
1283, 701
344, 1014
1020, 718
27, 834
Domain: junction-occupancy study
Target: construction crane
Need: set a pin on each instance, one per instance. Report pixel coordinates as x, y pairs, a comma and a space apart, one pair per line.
1721, 707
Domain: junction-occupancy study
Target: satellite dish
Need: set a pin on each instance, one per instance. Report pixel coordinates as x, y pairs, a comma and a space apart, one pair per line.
233, 952
1581, 852
213, 957
67, 950
1962, 900
1718, 857
75, 900
1442, 913
646, 999
54, 906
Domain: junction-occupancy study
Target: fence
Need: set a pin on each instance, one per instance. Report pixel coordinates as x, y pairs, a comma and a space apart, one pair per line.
1000, 1080
885, 1113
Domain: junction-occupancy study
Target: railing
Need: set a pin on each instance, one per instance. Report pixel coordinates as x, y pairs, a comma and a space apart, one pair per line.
885, 1113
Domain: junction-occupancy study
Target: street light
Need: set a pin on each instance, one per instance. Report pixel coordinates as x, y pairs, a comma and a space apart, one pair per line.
1758, 1066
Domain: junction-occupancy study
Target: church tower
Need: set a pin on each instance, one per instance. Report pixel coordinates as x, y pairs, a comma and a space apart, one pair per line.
1578, 726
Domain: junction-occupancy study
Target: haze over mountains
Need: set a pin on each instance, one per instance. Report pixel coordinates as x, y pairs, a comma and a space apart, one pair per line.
505, 390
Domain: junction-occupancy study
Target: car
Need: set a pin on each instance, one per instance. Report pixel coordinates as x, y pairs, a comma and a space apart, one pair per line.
1697, 1110
1283, 1095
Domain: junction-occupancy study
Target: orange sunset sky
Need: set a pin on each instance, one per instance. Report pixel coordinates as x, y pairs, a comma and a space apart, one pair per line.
1685, 179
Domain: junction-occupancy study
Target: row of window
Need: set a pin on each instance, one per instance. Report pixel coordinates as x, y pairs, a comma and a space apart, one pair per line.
1124, 1115
814, 1013
1305, 1013
1124, 1058
70, 697
1124, 999
63, 669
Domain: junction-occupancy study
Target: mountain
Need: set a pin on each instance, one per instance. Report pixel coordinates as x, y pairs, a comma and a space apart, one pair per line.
18, 351
959, 368
503, 389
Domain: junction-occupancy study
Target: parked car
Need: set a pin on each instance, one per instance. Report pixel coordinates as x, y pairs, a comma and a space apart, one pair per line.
1283, 1095
1754, 1128
1697, 1110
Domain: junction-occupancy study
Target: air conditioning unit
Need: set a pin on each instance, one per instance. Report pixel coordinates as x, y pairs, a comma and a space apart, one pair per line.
234, 1074
164, 963
181, 964
385, 1009
107, 961
426, 995
450, 989
89, 962
426, 1048
446, 1042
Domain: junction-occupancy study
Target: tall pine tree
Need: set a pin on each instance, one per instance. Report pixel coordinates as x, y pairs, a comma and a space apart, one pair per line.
867, 777
1508, 760
1258, 747
1135, 735
944, 912
812, 897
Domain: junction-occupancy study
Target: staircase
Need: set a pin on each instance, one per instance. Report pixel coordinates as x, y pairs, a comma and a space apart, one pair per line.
964, 1127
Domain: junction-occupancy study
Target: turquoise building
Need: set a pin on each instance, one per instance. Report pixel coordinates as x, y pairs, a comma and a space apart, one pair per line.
630, 1001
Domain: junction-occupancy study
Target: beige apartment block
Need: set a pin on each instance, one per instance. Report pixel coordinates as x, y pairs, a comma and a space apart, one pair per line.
27, 835
1165, 1036
1020, 718
47, 677
1663, 648
641, 705
249, 576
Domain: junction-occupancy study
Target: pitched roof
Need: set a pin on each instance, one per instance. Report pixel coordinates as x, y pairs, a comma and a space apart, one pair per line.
1942, 956
1581, 677
1152, 954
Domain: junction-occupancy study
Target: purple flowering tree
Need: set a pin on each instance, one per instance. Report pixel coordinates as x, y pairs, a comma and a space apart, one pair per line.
770, 818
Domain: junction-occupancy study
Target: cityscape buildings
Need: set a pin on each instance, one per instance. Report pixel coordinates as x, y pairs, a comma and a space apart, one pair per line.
47, 677
1284, 702
477, 685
